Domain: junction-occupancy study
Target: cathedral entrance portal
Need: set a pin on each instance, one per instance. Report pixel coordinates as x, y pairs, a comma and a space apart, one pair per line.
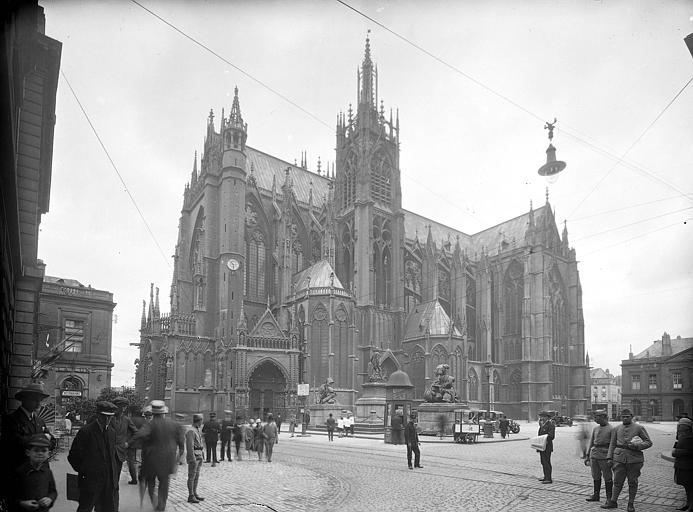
267, 391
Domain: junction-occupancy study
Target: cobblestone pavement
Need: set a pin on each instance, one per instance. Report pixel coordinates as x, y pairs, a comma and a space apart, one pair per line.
357, 474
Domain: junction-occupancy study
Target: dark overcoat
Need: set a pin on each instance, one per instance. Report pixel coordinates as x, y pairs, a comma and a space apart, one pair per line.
94, 458
162, 441
17, 428
124, 429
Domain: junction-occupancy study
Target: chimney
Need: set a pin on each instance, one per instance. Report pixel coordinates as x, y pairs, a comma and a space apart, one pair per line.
666, 345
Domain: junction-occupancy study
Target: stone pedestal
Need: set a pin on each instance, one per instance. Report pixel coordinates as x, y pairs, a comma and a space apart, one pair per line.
370, 407
320, 412
429, 416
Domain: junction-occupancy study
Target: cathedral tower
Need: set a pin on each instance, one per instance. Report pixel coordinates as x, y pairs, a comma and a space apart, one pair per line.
232, 199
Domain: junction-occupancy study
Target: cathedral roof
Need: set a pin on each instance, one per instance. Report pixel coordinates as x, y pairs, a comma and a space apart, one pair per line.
268, 169
320, 273
428, 314
514, 229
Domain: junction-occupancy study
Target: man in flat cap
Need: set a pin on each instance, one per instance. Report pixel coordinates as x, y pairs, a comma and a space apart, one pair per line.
625, 453
161, 438
598, 451
32, 484
546, 426
194, 453
93, 455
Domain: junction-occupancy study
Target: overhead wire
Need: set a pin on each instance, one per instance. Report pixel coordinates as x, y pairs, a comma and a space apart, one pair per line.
619, 160
285, 98
115, 168
585, 217
633, 223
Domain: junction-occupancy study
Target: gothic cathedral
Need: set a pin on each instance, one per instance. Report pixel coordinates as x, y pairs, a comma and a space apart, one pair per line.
285, 276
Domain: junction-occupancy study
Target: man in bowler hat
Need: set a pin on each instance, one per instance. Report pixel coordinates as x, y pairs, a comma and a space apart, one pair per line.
546, 426
93, 456
18, 427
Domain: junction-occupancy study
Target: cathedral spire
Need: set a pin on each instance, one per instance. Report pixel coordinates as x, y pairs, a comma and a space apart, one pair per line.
235, 117
143, 322
156, 304
367, 76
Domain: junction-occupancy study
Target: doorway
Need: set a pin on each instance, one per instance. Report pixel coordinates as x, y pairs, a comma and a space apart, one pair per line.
267, 391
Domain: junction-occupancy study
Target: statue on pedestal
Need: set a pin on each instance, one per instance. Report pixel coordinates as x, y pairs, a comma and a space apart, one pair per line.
326, 393
443, 388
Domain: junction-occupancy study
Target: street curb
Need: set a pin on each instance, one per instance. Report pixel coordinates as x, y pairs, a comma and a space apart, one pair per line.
422, 439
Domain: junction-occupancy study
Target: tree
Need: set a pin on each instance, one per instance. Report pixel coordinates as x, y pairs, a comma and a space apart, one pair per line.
135, 400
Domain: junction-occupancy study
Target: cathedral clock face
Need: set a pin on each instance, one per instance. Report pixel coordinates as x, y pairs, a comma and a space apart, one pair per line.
233, 264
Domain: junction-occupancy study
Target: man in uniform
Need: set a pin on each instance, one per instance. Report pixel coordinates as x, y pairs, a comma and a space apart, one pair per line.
625, 453
546, 426
269, 434
93, 456
597, 453
194, 449
211, 430
226, 433
411, 437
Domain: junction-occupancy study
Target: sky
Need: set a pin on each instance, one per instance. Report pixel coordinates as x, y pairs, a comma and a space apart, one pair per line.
474, 83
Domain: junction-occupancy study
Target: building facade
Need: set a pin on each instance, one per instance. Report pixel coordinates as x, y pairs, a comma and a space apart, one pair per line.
73, 352
283, 276
30, 62
658, 382
605, 392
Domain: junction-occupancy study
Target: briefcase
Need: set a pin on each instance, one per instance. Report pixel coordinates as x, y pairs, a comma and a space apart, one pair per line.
72, 482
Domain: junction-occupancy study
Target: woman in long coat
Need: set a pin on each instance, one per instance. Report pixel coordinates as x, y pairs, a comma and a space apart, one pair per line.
258, 440
683, 463
248, 435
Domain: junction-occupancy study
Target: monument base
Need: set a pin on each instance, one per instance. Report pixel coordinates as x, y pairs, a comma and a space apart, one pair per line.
432, 414
320, 412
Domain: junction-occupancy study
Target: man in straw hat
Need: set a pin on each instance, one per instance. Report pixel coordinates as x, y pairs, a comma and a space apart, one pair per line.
625, 453
93, 455
160, 439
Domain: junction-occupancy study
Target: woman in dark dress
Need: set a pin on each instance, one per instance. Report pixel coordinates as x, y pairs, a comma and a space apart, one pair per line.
683, 463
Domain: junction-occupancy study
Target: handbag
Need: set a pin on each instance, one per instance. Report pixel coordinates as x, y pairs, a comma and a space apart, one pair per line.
72, 484
539, 443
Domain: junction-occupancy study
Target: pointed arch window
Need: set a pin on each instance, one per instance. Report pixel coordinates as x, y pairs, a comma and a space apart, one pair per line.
349, 183
381, 178
255, 266
496, 387
296, 256
470, 309
513, 291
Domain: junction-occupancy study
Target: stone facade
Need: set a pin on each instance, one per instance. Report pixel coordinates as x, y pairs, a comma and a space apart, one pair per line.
658, 382
605, 392
329, 269
29, 80
74, 344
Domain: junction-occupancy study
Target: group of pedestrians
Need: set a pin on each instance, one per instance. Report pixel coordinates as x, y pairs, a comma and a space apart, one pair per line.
614, 454
344, 426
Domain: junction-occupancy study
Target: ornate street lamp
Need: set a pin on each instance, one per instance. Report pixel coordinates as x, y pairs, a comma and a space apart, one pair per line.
552, 166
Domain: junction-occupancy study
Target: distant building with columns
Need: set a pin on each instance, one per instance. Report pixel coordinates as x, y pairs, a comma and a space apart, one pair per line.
286, 275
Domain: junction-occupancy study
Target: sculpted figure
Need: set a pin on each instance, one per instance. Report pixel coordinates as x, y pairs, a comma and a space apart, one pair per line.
327, 394
375, 374
443, 388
